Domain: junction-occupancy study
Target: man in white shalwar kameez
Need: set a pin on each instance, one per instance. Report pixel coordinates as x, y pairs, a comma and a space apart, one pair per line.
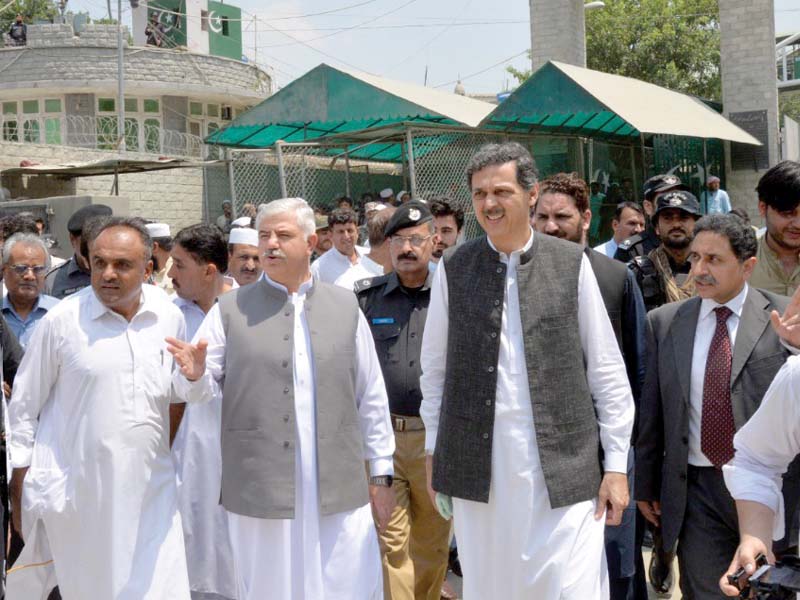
524, 491
90, 436
764, 447
199, 262
293, 442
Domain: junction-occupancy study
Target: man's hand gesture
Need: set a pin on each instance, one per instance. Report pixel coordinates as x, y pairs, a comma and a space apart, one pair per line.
787, 326
613, 497
191, 358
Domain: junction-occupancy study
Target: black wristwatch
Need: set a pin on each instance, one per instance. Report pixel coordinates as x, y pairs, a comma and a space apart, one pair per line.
382, 480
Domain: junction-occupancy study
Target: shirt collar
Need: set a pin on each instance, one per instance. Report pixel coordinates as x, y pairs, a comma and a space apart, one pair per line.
393, 283
736, 304
147, 302
516, 253
304, 287
36, 305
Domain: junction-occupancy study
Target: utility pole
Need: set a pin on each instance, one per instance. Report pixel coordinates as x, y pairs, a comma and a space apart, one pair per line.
121, 82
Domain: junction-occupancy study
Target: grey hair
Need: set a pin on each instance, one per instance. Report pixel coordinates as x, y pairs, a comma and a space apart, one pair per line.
301, 209
499, 154
28, 239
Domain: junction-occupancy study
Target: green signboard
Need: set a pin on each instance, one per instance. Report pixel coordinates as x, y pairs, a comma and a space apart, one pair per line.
224, 30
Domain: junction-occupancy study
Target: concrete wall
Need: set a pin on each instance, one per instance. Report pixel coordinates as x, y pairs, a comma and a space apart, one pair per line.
749, 82
172, 196
58, 62
558, 32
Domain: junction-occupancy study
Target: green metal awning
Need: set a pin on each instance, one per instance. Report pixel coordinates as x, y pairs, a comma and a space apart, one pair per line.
565, 99
327, 101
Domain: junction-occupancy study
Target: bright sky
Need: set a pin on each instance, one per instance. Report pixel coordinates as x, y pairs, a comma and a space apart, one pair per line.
400, 39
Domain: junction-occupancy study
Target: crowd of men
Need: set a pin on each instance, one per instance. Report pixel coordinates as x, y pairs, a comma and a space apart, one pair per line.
299, 405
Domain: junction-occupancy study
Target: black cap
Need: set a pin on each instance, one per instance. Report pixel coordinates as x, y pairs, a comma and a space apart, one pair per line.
680, 199
80, 216
409, 214
662, 183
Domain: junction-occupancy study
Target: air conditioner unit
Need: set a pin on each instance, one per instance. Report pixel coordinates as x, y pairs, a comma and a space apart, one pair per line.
227, 113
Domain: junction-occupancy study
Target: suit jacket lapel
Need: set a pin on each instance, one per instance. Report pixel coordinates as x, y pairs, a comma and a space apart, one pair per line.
752, 323
682, 333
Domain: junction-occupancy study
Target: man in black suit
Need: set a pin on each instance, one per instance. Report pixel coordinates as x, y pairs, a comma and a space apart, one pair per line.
710, 360
563, 210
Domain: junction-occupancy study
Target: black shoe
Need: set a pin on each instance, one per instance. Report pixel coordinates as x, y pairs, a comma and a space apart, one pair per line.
647, 540
454, 563
660, 574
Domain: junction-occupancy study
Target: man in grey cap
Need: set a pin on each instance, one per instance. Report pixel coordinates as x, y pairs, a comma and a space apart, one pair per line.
162, 261
73, 275
415, 543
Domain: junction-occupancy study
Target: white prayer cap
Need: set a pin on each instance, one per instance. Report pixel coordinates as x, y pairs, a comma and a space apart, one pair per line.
241, 222
158, 230
374, 206
386, 193
243, 235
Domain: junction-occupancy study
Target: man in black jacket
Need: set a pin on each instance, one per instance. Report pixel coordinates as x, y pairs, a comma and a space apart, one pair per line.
563, 210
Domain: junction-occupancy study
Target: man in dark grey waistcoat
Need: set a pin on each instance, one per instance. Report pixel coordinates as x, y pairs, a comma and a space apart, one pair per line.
304, 407
523, 387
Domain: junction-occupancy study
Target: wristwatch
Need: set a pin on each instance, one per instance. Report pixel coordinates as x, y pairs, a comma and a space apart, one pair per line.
382, 480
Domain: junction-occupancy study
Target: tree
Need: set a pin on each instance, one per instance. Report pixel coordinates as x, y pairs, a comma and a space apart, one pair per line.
789, 105
671, 43
32, 10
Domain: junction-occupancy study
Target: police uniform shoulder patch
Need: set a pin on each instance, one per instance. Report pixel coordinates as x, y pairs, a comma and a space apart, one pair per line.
367, 283
630, 242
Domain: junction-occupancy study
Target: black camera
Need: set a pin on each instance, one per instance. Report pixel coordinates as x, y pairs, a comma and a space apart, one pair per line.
768, 582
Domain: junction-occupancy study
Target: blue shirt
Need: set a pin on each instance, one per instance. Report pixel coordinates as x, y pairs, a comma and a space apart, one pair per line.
23, 328
717, 202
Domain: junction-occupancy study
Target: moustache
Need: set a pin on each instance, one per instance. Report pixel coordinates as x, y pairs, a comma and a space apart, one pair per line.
680, 229
705, 280
407, 256
274, 254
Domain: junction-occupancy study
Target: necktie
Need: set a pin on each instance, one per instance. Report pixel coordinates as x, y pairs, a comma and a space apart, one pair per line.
717, 426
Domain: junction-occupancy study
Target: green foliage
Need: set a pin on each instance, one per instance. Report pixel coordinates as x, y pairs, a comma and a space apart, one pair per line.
789, 105
33, 11
672, 43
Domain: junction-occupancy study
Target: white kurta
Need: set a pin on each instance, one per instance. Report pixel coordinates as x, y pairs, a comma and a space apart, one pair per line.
766, 444
334, 267
198, 466
325, 557
89, 415
516, 546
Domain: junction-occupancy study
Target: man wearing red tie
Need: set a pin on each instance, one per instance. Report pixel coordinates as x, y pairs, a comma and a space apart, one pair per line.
710, 360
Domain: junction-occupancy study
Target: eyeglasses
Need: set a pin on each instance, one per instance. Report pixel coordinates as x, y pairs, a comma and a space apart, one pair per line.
21, 270
415, 240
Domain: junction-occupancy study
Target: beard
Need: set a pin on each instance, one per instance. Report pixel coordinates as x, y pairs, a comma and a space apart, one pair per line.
681, 244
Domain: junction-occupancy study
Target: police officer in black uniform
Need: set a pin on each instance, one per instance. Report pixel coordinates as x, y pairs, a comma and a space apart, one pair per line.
642, 243
396, 306
73, 275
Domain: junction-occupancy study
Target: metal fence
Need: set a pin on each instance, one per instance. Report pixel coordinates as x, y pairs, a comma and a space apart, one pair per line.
100, 133
433, 163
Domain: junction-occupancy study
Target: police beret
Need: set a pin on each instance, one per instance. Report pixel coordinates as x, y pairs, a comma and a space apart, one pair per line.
80, 216
661, 183
680, 199
409, 214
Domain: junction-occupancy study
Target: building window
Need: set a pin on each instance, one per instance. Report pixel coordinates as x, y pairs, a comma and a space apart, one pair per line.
131, 105
106, 133
52, 105
203, 20
9, 108
52, 131
151, 106
30, 131
10, 130
212, 110
196, 109
152, 141
225, 26
30, 107
106, 105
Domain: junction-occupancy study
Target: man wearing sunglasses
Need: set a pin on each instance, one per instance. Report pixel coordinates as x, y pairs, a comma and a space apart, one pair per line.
25, 264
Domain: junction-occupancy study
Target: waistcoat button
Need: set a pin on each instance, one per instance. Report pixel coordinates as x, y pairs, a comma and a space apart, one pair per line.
499, 269
490, 369
286, 390
485, 436
497, 302
493, 334
286, 337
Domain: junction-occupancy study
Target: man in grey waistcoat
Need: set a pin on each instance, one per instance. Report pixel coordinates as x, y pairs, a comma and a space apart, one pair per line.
526, 403
303, 407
